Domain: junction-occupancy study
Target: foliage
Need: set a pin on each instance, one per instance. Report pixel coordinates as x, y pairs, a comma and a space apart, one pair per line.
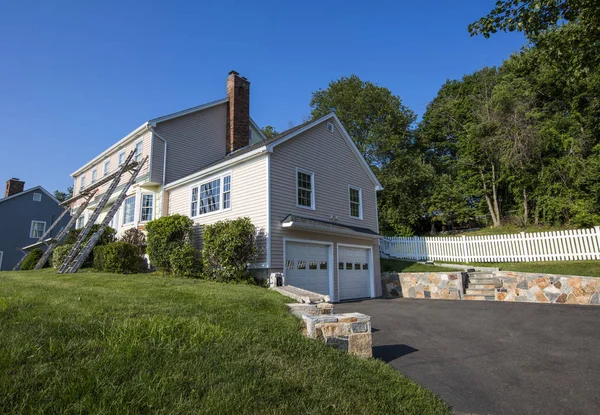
98, 262
185, 262
165, 235
60, 254
109, 235
119, 257
269, 131
62, 196
228, 246
136, 238
32, 259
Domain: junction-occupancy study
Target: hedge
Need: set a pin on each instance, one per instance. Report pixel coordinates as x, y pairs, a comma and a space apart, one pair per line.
32, 258
59, 254
185, 262
165, 235
117, 257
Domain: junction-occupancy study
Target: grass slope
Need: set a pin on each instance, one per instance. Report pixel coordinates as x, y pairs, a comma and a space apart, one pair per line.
397, 265
580, 268
104, 343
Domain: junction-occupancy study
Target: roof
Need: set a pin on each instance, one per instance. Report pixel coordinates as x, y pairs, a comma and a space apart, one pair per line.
40, 188
296, 221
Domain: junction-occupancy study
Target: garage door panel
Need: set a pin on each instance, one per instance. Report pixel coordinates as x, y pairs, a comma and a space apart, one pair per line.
307, 266
354, 272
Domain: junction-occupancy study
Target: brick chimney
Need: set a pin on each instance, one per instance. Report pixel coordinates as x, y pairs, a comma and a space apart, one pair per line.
13, 186
238, 122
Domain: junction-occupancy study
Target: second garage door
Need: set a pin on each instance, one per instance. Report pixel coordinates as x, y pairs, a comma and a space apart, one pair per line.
354, 272
307, 266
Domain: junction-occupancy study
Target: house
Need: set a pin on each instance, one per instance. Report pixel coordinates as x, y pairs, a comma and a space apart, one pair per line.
308, 190
24, 217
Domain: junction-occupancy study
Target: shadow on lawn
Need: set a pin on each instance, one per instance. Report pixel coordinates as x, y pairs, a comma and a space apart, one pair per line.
390, 352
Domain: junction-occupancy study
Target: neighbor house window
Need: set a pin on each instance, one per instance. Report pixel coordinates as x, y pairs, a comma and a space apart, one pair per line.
81, 183
129, 210
305, 189
94, 174
147, 207
106, 167
330, 127
138, 151
37, 229
121, 158
37, 197
355, 195
211, 196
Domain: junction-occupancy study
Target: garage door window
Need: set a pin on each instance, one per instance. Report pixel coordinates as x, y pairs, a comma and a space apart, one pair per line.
348, 265
357, 266
341, 265
301, 264
365, 266
312, 265
289, 265
323, 265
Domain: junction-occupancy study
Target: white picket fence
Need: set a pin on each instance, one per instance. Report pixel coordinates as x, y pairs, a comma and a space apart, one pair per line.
570, 245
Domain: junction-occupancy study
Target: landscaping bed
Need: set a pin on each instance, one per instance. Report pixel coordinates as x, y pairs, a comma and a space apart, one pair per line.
105, 343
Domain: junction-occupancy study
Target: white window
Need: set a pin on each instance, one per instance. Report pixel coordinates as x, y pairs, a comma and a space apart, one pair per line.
355, 198
37, 197
82, 183
94, 175
1, 255
129, 210
305, 185
330, 127
121, 158
38, 228
147, 207
106, 167
80, 221
211, 196
138, 151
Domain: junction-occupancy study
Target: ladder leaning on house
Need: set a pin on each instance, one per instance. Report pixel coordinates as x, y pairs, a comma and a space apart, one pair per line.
81, 249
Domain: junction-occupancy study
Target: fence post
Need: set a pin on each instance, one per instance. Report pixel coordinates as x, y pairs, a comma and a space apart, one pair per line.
524, 250
598, 238
465, 249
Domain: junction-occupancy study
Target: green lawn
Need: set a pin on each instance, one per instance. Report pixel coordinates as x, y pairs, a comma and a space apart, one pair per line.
397, 265
105, 343
581, 268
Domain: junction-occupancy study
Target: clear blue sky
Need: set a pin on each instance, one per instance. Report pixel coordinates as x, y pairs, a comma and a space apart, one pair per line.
77, 77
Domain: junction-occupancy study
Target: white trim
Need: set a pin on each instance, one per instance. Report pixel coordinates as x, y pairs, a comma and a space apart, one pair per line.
92, 178
123, 206
268, 158
360, 202
1, 258
105, 171
178, 114
81, 183
24, 192
371, 264
142, 194
220, 176
332, 129
119, 164
313, 205
309, 241
200, 175
31, 229
135, 144
39, 199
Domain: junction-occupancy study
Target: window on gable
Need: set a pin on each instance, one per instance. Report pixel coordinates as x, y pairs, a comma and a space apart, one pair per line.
211, 196
330, 127
129, 210
305, 191
355, 195
94, 174
138, 151
147, 207
37, 197
38, 228
121, 158
106, 167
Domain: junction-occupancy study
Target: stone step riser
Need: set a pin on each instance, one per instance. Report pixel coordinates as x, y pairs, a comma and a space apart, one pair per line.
479, 298
480, 292
480, 275
481, 286
481, 281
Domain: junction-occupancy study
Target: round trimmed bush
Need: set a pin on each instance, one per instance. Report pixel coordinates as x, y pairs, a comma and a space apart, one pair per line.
121, 258
185, 262
59, 254
32, 258
164, 236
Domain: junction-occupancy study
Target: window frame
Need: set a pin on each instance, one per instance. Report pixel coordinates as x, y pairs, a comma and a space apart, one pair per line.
312, 190
330, 127
360, 202
197, 185
1, 258
125, 223
82, 182
138, 155
82, 219
94, 175
142, 207
33, 222
37, 197
121, 153
106, 167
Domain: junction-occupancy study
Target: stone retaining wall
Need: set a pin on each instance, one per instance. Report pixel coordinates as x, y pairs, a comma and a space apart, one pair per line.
434, 285
546, 288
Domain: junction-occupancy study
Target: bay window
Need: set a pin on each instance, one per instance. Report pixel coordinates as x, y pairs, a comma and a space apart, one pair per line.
147, 207
129, 210
211, 196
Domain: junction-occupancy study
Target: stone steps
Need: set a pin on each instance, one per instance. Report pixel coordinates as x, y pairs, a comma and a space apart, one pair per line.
479, 297
478, 286
478, 281
482, 292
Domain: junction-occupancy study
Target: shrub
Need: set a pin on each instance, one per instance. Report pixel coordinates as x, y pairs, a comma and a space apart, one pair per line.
32, 258
164, 236
59, 254
228, 247
119, 257
108, 236
185, 262
99, 257
136, 238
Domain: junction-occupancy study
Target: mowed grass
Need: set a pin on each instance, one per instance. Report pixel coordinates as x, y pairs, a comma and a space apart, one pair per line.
397, 265
579, 268
104, 343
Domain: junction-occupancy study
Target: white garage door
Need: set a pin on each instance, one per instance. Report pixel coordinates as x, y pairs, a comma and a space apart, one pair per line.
354, 272
307, 266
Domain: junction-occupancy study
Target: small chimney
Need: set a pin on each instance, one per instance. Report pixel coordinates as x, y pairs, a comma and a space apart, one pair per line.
238, 122
13, 186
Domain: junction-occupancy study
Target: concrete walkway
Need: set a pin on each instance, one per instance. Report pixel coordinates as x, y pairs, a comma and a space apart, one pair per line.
492, 357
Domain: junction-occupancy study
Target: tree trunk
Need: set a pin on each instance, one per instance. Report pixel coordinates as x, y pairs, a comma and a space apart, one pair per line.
496, 208
495, 220
525, 209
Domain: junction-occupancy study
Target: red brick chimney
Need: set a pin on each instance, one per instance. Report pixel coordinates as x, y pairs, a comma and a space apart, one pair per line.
13, 186
238, 122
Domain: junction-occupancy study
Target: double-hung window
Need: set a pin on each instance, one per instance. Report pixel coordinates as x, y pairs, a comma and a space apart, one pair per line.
147, 207
121, 158
129, 210
94, 175
305, 189
138, 151
80, 221
38, 228
211, 196
355, 199
106, 167
82, 183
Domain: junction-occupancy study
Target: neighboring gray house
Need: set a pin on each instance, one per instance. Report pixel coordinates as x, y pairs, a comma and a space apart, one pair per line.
24, 217
308, 191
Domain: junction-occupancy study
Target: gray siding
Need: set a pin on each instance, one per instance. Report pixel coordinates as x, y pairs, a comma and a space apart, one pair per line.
194, 141
158, 154
16, 215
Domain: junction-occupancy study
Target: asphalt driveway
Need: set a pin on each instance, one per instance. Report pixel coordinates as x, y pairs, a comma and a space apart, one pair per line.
492, 357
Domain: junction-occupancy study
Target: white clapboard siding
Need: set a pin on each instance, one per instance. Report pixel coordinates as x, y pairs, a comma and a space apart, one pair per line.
579, 244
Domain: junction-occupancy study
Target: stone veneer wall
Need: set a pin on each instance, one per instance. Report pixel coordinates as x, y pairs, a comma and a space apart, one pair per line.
546, 288
435, 285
